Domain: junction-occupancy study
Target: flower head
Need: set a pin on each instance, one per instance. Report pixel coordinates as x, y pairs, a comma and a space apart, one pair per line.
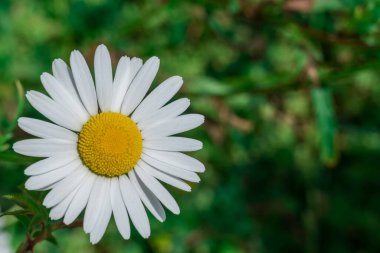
108, 147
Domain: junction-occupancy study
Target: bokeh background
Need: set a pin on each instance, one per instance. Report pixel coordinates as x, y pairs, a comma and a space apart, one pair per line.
291, 93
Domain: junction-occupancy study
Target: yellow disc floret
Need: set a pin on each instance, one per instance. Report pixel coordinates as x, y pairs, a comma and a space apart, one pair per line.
110, 144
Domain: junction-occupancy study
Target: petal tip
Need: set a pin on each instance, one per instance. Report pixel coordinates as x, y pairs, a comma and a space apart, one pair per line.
154, 59
27, 186
177, 211
101, 49
146, 236
57, 60
15, 146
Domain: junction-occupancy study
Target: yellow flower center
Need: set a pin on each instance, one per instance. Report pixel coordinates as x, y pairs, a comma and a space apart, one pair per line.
110, 144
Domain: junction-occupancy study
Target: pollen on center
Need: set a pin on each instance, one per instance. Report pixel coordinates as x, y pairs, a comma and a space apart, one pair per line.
110, 144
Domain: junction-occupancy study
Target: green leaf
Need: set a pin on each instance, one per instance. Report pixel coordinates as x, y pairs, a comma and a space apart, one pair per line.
11, 156
28, 201
24, 219
325, 118
20, 105
52, 239
7, 135
33, 201
21, 212
208, 86
4, 138
17, 199
331, 5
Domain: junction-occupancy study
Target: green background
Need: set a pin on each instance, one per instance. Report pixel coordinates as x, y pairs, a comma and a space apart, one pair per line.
291, 94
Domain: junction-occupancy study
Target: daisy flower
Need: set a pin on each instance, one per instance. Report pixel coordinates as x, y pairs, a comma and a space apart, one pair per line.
108, 146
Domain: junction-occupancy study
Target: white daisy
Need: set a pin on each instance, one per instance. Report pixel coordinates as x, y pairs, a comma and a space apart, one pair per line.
107, 147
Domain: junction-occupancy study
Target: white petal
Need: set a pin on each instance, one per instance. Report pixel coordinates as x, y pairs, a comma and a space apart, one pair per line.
65, 187
140, 85
80, 200
125, 72
173, 144
103, 77
43, 147
50, 163
62, 96
167, 112
157, 189
119, 209
173, 181
122, 71
59, 210
104, 216
44, 180
170, 169
136, 64
147, 197
177, 159
177, 125
121, 82
96, 200
84, 82
134, 206
63, 74
45, 129
158, 97
53, 111
47, 188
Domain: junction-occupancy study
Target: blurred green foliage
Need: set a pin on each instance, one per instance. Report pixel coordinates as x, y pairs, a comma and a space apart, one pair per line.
291, 93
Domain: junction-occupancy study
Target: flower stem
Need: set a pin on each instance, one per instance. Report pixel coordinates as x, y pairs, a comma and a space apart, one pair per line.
29, 243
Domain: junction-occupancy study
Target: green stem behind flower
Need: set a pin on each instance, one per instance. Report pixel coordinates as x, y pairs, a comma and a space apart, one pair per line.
46, 232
